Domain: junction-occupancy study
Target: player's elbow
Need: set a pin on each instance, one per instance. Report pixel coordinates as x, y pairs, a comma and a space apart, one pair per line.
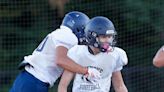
157, 63
59, 62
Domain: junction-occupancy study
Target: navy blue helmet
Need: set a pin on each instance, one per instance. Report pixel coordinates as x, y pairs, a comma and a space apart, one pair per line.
76, 21
100, 26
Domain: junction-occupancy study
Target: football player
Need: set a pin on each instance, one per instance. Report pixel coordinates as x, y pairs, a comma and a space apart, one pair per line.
46, 64
101, 54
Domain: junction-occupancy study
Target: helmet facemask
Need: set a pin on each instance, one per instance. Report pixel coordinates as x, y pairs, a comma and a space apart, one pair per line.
108, 45
80, 34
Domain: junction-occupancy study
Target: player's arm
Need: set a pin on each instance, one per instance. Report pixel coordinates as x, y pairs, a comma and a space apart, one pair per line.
158, 60
65, 62
118, 82
65, 81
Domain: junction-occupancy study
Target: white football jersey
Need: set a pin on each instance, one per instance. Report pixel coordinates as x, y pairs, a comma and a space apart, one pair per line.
43, 57
105, 63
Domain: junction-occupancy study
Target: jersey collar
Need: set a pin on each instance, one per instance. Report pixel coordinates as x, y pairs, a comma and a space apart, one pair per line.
65, 28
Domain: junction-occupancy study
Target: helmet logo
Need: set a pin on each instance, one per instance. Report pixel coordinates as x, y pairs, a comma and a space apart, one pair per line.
77, 15
110, 32
73, 21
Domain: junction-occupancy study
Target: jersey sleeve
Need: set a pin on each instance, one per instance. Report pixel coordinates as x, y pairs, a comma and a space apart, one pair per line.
66, 39
122, 60
72, 53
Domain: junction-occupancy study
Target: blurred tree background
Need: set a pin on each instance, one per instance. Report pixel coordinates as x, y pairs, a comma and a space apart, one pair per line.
139, 23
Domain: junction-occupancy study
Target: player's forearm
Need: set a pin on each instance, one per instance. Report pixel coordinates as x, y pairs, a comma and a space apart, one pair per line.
63, 84
65, 80
62, 89
121, 89
158, 60
118, 83
70, 65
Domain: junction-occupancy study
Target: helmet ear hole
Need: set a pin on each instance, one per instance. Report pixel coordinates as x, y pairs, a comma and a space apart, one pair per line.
93, 34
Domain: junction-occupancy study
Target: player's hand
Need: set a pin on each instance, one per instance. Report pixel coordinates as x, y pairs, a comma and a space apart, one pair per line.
93, 75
